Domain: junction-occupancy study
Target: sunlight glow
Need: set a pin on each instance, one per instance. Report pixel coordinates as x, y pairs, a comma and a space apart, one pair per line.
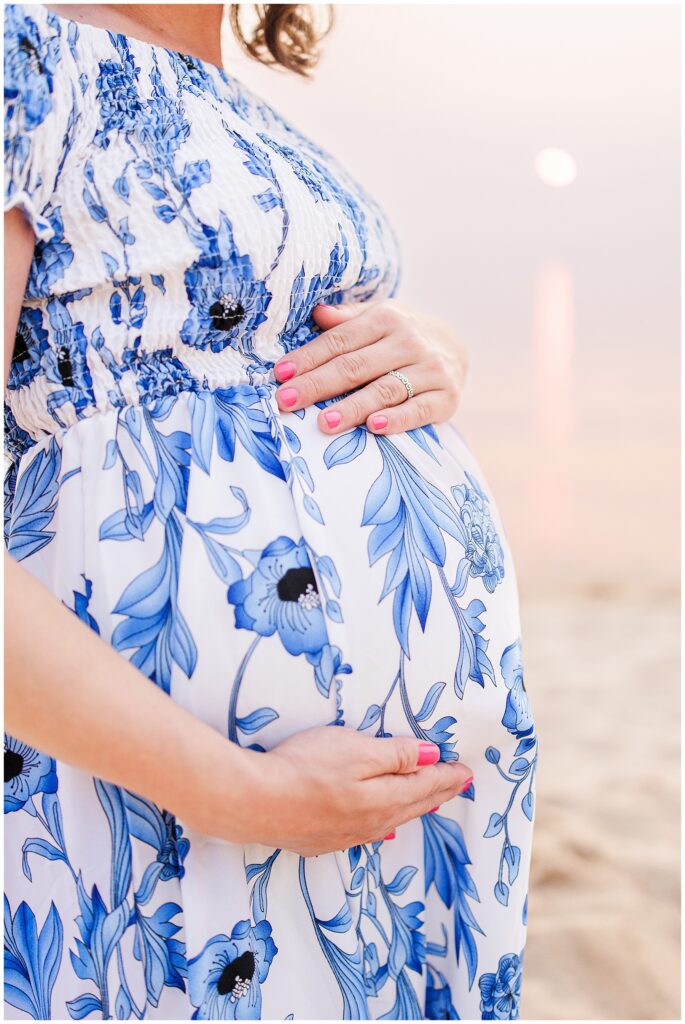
555, 167
553, 347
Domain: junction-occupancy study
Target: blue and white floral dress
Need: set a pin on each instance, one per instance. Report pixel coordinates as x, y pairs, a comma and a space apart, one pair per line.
267, 577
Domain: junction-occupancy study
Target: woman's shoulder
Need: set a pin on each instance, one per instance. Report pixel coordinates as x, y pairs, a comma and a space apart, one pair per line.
34, 43
40, 61
43, 88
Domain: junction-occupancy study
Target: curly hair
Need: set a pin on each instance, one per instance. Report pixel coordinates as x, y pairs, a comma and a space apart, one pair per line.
285, 34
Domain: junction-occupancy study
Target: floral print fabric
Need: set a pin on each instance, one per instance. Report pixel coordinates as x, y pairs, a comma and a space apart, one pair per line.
267, 577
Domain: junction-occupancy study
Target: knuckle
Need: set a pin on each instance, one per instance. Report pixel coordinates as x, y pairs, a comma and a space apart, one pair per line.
451, 780
389, 317
402, 421
414, 343
335, 342
420, 788
354, 409
353, 366
397, 755
437, 365
386, 391
423, 410
409, 353
395, 425
430, 781
306, 389
306, 358
406, 753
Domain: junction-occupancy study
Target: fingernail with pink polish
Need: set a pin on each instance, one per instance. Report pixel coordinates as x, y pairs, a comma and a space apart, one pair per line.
466, 784
332, 418
390, 835
379, 422
284, 371
288, 396
428, 753
433, 810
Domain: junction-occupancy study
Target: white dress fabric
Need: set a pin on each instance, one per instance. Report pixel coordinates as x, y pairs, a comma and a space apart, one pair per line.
267, 577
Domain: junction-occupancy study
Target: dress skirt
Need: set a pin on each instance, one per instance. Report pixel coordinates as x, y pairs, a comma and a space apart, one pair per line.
270, 579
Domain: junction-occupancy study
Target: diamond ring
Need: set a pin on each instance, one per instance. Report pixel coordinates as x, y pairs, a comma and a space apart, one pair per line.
405, 381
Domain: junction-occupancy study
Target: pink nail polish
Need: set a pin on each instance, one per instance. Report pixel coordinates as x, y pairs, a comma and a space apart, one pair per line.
284, 371
433, 810
428, 753
466, 784
390, 835
379, 422
288, 396
332, 418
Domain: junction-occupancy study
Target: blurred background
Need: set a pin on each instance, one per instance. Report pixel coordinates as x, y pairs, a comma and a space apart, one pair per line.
529, 157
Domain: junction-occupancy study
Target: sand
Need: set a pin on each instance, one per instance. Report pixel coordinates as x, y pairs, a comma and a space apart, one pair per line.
604, 922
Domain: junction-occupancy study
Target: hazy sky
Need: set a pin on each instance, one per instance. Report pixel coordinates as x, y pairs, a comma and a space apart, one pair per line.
567, 297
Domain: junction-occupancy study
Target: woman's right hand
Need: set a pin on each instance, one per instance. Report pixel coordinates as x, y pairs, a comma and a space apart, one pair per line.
330, 788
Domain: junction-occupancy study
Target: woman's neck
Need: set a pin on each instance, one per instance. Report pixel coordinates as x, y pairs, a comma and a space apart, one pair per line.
194, 29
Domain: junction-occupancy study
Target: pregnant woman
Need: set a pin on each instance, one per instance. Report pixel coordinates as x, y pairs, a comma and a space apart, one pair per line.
283, 766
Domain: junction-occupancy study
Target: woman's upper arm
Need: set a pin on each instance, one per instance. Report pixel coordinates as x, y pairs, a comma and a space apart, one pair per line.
19, 244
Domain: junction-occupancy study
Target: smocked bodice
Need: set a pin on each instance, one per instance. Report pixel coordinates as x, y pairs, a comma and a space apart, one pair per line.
185, 229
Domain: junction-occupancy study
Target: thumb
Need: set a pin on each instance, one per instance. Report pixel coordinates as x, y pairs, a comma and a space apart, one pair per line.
330, 316
400, 755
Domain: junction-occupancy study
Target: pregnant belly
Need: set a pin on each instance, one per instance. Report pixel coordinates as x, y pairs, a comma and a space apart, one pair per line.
271, 578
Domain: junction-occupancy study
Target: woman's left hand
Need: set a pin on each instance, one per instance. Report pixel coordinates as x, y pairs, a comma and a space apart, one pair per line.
361, 342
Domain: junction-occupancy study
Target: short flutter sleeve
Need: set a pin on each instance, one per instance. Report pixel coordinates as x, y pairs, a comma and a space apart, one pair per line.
39, 110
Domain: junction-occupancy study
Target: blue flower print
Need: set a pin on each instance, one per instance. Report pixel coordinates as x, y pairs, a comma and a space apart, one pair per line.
117, 92
160, 830
282, 595
174, 849
157, 374
30, 344
65, 362
17, 440
225, 979
483, 548
9, 487
500, 993
162, 954
101, 931
227, 303
30, 64
35, 501
518, 718
304, 171
81, 602
190, 74
447, 861
32, 959
408, 945
162, 128
27, 772
300, 326
439, 999
50, 259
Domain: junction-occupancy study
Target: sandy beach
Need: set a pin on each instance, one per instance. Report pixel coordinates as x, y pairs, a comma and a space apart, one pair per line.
604, 904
